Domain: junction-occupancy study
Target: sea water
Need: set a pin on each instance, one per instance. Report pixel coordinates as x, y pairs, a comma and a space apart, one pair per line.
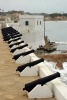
57, 32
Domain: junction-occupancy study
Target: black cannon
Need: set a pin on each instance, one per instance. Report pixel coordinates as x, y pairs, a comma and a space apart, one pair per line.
9, 31
11, 35
14, 40
20, 47
29, 86
17, 43
6, 38
7, 34
22, 67
23, 54
15, 36
12, 30
4, 31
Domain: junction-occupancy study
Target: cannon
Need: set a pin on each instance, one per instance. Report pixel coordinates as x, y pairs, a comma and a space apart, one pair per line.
23, 54
12, 36
4, 31
17, 43
14, 40
22, 67
42, 81
12, 30
20, 47
4, 35
15, 36
6, 38
7, 34
9, 30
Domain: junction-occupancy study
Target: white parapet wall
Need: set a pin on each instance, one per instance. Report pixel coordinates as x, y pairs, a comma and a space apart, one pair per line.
58, 88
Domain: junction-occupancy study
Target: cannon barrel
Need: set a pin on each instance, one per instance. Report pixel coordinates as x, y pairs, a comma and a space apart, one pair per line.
4, 34
15, 36
14, 40
17, 43
13, 30
23, 54
29, 86
22, 67
7, 34
6, 39
11, 35
4, 30
20, 47
9, 30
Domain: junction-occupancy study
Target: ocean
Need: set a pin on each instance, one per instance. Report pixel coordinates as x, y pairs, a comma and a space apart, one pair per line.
57, 32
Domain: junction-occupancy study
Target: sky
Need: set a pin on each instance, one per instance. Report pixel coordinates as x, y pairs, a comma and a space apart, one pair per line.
35, 6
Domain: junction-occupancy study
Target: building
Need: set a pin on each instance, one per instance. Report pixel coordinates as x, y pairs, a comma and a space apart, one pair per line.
32, 28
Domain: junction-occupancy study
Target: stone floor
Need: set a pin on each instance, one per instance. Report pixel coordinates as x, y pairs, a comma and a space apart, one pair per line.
11, 84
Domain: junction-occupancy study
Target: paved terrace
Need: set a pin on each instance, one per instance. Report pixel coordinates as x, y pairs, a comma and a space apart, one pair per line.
11, 84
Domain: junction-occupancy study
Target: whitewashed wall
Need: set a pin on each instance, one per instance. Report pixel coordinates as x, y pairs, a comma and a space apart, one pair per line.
33, 34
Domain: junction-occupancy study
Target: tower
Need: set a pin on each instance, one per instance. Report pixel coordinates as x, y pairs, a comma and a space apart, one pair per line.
32, 28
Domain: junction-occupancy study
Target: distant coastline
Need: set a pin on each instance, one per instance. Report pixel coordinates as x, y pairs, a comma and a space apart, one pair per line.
47, 17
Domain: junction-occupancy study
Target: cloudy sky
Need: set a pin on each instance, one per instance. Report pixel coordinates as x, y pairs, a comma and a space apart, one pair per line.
35, 6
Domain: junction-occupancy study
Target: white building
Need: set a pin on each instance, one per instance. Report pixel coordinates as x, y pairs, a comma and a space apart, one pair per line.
32, 29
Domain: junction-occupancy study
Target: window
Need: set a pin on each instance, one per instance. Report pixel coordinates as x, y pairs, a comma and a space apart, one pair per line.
26, 23
28, 31
40, 22
37, 22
